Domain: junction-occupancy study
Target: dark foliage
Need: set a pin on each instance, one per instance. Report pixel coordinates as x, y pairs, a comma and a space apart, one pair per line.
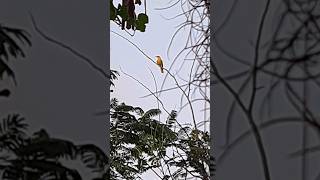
125, 16
139, 143
39, 156
10, 48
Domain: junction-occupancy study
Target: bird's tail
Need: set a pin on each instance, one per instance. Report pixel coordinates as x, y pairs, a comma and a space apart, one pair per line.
161, 69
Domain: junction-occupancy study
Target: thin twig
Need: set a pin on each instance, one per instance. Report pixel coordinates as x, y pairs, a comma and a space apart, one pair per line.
73, 51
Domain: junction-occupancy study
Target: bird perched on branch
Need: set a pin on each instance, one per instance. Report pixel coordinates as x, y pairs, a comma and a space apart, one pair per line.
159, 63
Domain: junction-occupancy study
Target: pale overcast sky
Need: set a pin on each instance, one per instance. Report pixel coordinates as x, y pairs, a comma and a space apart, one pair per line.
154, 41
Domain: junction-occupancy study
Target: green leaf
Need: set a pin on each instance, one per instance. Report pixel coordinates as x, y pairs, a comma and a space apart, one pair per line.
151, 113
141, 22
130, 23
143, 18
123, 12
141, 27
113, 12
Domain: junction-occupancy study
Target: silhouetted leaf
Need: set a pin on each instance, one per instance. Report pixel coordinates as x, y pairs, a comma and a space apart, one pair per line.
5, 93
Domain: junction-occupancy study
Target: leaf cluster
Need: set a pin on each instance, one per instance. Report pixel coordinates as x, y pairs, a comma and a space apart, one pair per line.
140, 142
32, 157
124, 15
10, 48
137, 140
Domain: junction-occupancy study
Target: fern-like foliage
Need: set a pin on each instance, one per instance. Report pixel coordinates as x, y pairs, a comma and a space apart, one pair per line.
42, 157
93, 157
38, 156
113, 77
140, 142
196, 149
136, 140
9, 47
12, 132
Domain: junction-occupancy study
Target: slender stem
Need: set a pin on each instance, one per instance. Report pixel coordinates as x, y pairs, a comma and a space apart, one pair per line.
253, 126
168, 72
256, 55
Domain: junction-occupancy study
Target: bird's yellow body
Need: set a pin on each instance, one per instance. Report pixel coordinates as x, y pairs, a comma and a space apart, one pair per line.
159, 63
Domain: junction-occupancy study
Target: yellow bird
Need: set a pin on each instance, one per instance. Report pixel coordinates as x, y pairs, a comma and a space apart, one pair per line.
159, 63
